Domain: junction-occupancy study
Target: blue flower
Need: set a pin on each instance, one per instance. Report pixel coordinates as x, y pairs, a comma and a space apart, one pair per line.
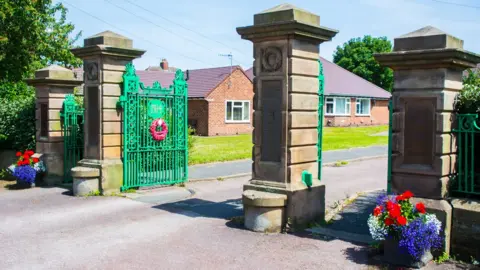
25, 173
419, 236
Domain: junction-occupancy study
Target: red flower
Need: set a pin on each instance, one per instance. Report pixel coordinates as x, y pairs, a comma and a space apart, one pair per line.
388, 221
395, 212
35, 160
407, 194
26, 157
399, 198
420, 208
26, 162
19, 163
19, 154
377, 211
390, 205
401, 220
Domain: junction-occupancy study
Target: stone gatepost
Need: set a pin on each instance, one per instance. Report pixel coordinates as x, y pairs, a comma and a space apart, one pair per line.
428, 65
104, 58
51, 84
286, 50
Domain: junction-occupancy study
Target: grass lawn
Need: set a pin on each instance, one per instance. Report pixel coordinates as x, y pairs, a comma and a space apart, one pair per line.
225, 148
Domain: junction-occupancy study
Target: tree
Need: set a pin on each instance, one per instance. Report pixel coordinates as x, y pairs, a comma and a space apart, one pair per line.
33, 34
356, 56
472, 77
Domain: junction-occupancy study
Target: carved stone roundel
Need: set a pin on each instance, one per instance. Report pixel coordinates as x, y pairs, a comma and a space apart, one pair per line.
92, 71
272, 59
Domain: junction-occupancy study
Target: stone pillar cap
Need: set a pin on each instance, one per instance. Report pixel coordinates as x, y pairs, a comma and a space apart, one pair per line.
54, 74
427, 38
109, 38
428, 47
286, 20
108, 43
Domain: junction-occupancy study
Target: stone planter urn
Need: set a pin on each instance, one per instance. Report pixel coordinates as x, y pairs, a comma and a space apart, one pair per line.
393, 254
85, 180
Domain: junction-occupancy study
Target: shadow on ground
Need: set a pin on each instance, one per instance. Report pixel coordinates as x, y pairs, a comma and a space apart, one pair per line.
201, 208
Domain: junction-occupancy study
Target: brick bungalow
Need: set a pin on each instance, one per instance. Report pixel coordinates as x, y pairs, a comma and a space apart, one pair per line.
218, 103
349, 99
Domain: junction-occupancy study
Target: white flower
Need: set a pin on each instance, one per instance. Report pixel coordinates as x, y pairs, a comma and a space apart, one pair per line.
377, 231
431, 218
12, 168
39, 167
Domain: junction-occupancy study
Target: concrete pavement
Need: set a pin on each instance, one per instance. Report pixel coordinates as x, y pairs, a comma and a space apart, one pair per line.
45, 229
221, 169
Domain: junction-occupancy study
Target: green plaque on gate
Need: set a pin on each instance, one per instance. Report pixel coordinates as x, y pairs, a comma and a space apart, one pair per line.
156, 109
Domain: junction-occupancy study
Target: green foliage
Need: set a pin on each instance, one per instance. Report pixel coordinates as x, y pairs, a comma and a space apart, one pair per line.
17, 123
15, 90
356, 56
191, 138
442, 258
34, 34
468, 101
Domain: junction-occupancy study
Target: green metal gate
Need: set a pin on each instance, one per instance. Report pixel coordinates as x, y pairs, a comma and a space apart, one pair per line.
72, 127
147, 162
389, 166
321, 98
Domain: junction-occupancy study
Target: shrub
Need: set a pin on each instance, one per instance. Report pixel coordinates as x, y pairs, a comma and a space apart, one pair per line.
468, 101
17, 123
191, 138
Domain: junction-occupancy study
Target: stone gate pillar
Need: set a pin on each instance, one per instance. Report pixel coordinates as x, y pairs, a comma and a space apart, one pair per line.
428, 65
104, 58
286, 50
51, 84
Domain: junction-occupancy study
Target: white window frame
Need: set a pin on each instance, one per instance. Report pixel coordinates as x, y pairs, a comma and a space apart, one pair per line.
358, 103
233, 102
348, 106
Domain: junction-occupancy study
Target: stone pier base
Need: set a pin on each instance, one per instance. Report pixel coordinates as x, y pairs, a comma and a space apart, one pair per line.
466, 229
303, 205
85, 181
264, 212
111, 174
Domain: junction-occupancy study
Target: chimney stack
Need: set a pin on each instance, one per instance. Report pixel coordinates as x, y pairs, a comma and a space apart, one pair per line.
164, 64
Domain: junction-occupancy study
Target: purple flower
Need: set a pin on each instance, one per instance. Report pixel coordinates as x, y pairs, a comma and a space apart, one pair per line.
25, 173
384, 197
419, 236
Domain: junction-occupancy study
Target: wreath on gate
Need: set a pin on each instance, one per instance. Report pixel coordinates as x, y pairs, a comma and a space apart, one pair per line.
158, 135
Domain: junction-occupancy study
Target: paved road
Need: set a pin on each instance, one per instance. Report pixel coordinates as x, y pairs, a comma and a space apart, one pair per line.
45, 229
215, 170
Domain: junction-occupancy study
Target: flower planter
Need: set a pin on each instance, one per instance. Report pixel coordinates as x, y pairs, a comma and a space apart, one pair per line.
395, 255
24, 185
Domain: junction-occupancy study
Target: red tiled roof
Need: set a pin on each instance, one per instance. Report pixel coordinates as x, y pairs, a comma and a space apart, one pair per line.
200, 81
341, 82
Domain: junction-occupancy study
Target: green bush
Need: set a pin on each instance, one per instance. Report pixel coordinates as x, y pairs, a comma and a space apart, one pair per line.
17, 123
468, 101
191, 138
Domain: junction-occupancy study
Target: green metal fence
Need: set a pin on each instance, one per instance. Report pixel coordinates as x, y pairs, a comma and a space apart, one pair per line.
466, 180
321, 98
389, 166
148, 162
72, 127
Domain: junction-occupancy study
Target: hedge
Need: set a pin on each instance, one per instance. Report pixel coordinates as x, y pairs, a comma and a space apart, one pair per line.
17, 123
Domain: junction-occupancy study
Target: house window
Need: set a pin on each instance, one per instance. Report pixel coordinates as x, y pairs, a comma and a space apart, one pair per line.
363, 106
237, 111
337, 106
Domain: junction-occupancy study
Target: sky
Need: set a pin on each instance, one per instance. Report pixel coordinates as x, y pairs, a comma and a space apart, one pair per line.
193, 34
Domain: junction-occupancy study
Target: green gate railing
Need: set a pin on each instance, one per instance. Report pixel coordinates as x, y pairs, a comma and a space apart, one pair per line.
72, 127
321, 98
466, 180
147, 162
389, 158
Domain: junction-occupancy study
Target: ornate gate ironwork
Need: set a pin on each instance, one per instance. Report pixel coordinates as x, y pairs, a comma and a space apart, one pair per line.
147, 162
72, 127
321, 98
389, 166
